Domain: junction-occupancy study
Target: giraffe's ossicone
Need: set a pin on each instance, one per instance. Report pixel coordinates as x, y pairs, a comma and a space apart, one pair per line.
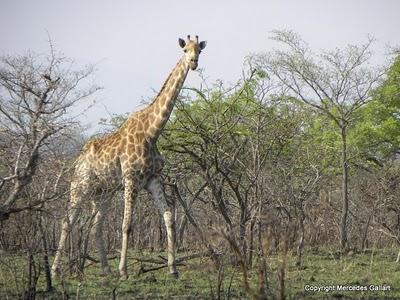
128, 159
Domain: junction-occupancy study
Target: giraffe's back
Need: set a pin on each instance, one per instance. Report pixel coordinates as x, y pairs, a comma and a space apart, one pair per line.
99, 164
104, 162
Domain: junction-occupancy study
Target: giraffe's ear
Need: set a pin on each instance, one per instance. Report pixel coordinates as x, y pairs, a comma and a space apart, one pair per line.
182, 43
202, 45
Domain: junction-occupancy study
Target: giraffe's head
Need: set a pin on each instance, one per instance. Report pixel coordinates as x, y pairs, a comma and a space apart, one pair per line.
192, 49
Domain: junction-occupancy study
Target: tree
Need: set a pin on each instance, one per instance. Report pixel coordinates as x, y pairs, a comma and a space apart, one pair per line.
234, 145
37, 96
337, 82
212, 135
376, 135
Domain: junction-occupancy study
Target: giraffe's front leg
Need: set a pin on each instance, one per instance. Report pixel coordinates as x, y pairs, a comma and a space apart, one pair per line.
130, 195
156, 189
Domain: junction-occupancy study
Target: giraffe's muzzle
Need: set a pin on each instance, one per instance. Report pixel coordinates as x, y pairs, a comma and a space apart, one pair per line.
194, 64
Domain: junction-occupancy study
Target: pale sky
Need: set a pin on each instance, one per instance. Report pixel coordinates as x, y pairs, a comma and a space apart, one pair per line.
134, 43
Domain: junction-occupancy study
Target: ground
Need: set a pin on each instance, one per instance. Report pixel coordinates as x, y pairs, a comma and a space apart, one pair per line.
327, 270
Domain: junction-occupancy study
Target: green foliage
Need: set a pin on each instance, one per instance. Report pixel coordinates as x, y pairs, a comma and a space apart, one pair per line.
377, 132
212, 124
374, 134
323, 134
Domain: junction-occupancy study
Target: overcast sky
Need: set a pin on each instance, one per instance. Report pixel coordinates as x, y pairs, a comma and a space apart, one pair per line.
134, 43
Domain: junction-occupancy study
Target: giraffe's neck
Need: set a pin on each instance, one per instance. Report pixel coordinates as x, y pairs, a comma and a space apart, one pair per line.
160, 109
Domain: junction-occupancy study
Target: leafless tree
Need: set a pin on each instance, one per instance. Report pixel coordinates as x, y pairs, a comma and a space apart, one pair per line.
38, 95
39, 103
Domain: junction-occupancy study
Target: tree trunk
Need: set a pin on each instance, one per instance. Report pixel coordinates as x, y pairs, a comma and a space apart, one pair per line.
47, 272
300, 246
345, 193
365, 235
181, 231
30, 292
242, 234
160, 237
251, 241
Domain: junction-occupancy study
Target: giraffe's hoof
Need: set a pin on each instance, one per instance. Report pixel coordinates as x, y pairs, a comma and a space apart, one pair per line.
55, 273
174, 274
123, 275
106, 272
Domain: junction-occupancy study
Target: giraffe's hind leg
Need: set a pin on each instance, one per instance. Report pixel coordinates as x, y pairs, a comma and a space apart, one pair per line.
67, 223
80, 187
101, 209
156, 189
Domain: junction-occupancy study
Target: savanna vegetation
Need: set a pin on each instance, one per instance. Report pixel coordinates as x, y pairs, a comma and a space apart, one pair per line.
282, 183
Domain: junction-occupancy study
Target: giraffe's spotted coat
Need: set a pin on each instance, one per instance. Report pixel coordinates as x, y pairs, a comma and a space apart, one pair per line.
128, 158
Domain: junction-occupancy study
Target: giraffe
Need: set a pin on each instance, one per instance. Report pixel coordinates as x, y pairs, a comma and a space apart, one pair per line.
128, 159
